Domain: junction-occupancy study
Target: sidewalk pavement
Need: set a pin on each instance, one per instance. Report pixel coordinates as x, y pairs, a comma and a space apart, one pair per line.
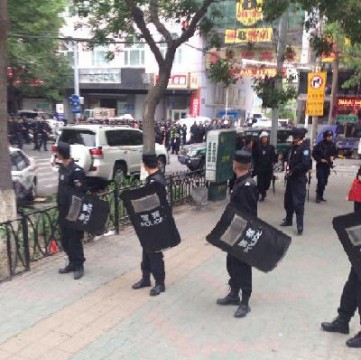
49, 316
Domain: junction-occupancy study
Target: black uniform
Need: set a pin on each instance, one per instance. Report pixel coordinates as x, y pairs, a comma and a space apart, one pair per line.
153, 263
264, 159
299, 163
325, 150
73, 177
45, 130
244, 197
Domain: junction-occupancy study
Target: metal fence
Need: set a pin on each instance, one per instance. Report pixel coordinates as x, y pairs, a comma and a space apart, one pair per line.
35, 234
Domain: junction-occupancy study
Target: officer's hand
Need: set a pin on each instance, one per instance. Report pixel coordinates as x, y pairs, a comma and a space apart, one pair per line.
324, 161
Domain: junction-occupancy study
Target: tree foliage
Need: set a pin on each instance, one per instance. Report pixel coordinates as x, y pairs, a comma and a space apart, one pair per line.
37, 68
152, 22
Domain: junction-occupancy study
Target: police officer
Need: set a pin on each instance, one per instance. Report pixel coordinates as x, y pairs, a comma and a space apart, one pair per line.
350, 299
244, 197
299, 163
71, 176
324, 153
152, 262
264, 160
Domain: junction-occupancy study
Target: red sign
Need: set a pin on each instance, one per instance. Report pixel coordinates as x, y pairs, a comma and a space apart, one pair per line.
195, 105
348, 103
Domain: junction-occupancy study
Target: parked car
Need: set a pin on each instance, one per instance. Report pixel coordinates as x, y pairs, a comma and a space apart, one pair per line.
24, 174
107, 152
193, 156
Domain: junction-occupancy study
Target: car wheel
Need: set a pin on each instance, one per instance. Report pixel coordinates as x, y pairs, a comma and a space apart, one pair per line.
119, 173
202, 165
161, 164
33, 191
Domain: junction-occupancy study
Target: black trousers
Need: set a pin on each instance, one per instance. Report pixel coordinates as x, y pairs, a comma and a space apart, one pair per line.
294, 200
322, 174
351, 297
153, 263
240, 275
72, 242
264, 182
43, 142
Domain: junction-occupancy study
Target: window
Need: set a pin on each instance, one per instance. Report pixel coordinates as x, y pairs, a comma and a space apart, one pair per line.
78, 137
134, 54
18, 161
136, 138
124, 138
100, 56
178, 54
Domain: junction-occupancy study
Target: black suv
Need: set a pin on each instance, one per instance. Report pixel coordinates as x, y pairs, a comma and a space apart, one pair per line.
194, 155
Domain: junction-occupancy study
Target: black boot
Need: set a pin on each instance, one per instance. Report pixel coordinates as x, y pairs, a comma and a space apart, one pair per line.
67, 269
339, 325
142, 283
286, 222
230, 299
242, 311
354, 342
78, 273
157, 290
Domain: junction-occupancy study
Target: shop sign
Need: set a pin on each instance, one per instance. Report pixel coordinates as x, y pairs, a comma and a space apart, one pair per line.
348, 103
316, 94
194, 81
251, 35
195, 103
249, 12
346, 119
257, 72
176, 81
99, 76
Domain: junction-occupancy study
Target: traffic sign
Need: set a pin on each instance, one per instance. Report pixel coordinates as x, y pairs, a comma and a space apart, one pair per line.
316, 94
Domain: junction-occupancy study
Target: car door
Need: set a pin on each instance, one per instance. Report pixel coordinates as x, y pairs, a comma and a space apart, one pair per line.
118, 148
20, 170
136, 139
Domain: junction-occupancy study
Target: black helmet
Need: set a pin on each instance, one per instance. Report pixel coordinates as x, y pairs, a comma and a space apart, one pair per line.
327, 133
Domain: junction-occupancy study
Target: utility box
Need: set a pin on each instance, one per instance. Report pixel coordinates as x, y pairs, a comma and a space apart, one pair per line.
221, 145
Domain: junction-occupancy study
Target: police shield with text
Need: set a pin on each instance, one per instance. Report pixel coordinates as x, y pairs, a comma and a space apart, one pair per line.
71, 177
324, 153
298, 165
244, 197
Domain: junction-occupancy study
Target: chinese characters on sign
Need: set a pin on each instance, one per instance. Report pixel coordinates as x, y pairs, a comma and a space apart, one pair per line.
110, 76
316, 94
177, 81
250, 240
349, 103
85, 214
251, 35
151, 219
249, 12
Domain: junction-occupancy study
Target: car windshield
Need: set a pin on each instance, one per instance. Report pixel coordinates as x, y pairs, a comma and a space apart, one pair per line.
78, 137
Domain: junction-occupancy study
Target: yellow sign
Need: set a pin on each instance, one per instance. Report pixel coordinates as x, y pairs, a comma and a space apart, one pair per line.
251, 35
249, 12
316, 94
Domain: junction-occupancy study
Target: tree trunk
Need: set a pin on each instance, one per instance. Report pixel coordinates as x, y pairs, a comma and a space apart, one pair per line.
152, 99
7, 197
335, 75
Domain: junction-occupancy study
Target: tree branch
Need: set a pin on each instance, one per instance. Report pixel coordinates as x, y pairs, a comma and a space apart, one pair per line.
188, 33
154, 17
138, 16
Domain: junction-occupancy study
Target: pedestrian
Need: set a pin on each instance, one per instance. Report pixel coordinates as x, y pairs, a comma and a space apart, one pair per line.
184, 134
152, 262
19, 133
70, 176
324, 153
298, 165
45, 130
36, 133
194, 132
351, 295
264, 159
244, 197
175, 138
